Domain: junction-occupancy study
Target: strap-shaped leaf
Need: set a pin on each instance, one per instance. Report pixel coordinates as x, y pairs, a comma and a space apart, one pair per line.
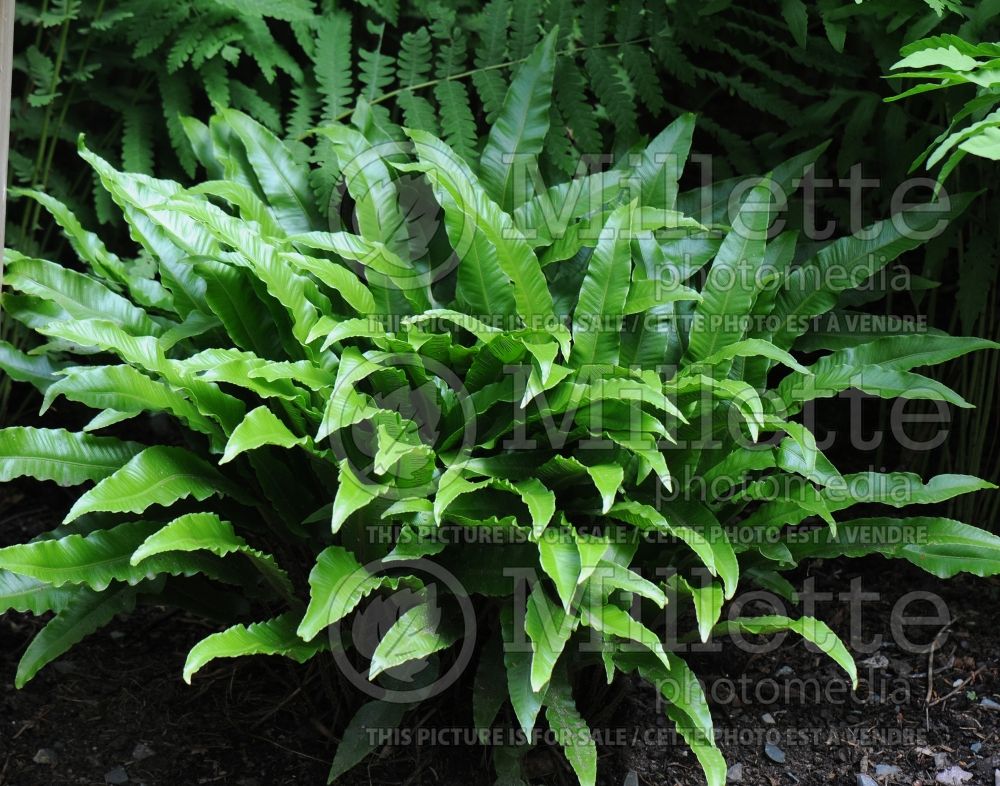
126, 389
685, 705
829, 380
812, 288
169, 237
692, 523
941, 546
731, 286
447, 171
81, 296
571, 729
661, 164
37, 370
560, 559
898, 489
755, 348
260, 427
373, 255
548, 627
230, 296
207, 532
88, 246
283, 180
338, 278
358, 741
337, 584
601, 306
62, 456
906, 352
613, 621
708, 598
83, 615
101, 557
159, 475
517, 136
799, 453
417, 634
810, 629
353, 494
23, 593
540, 501
527, 702
273, 637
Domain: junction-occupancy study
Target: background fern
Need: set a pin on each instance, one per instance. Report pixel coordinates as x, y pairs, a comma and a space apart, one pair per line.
768, 78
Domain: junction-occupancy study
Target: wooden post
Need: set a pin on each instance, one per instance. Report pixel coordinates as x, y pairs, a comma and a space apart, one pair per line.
6, 69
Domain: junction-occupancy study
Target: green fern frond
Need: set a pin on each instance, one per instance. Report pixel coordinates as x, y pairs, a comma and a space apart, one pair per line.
575, 107
594, 22
377, 69
414, 64
305, 106
137, 140
612, 93
457, 121
176, 101
277, 56
387, 9
524, 28
639, 68
629, 20
215, 79
332, 63
261, 110
183, 48
418, 112
558, 146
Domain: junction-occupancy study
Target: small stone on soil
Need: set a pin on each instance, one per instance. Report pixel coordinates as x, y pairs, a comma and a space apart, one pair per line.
989, 704
774, 753
142, 752
887, 770
735, 773
116, 776
768, 718
976, 747
46, 756
784, 671
866, 780
953, 776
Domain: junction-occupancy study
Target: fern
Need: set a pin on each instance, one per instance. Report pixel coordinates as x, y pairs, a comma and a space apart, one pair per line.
457, 123
571, 98
377, 69
251, 102
305, 107
332, 63
606, 78
215, 78
491, 49
524, 29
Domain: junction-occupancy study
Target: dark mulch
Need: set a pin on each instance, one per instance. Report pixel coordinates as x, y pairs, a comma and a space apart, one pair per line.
116, 706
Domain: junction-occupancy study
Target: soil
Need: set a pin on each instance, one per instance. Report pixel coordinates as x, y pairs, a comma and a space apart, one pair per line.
115, 707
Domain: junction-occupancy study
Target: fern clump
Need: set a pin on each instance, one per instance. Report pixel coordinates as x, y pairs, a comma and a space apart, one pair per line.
522, 415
